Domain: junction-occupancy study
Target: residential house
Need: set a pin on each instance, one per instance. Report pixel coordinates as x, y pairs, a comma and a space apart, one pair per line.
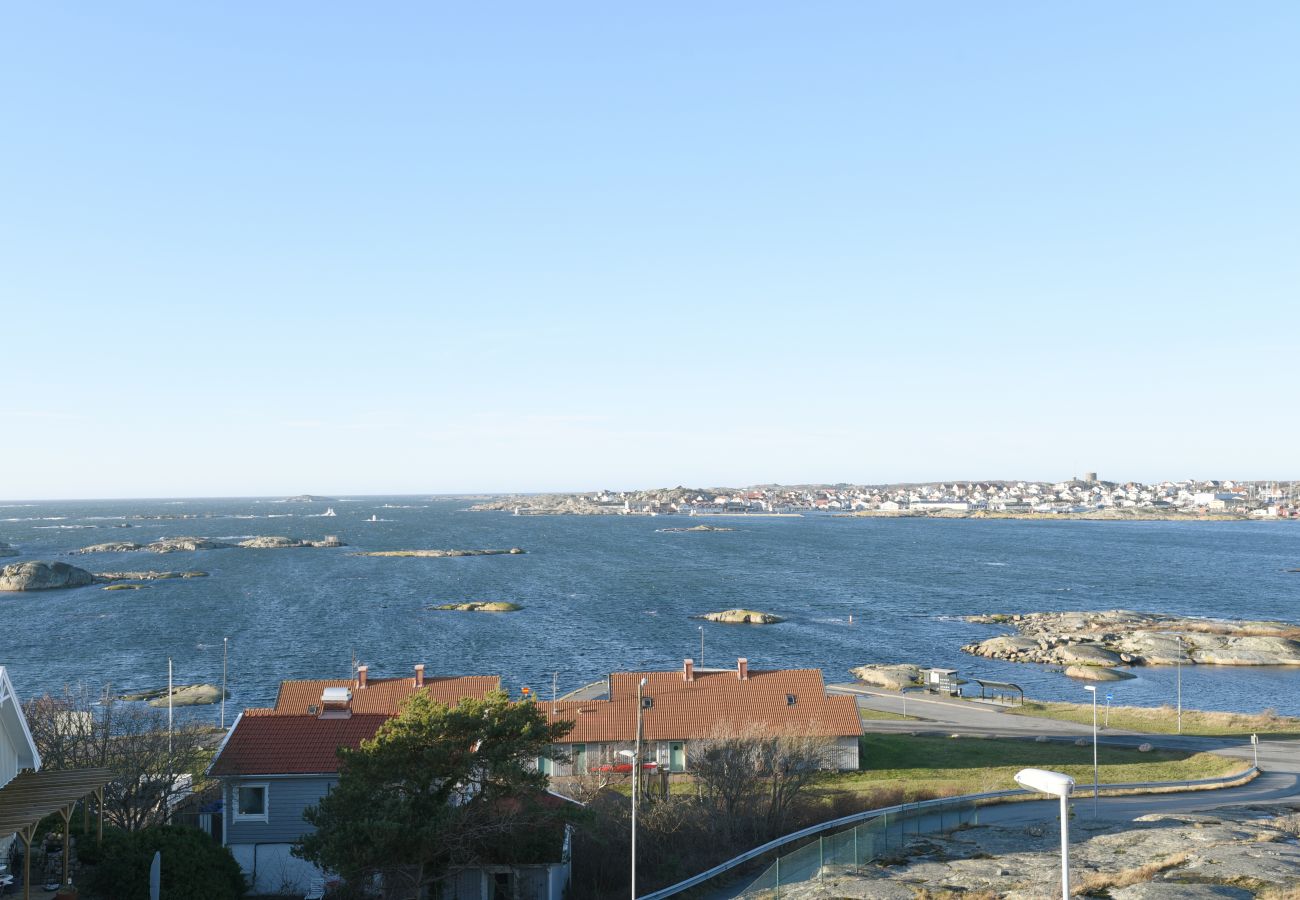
17, 750
275, 762
686, 708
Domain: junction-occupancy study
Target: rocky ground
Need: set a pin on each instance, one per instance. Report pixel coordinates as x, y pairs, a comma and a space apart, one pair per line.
1125, 638
182, 695
181, 544
42, 576
889, 676
692, 528
1238, 852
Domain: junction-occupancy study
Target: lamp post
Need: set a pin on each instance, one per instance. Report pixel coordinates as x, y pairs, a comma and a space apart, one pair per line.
701, 627
1180, 684
636, 774
1056, 785
225, 647
1092, 689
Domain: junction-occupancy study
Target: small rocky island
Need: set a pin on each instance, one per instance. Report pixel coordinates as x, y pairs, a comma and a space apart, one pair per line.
147, 575
442, 554
1124, 638
693, 528
492, 606
740, 617
43, 576
281, 543
183, 544
182, 695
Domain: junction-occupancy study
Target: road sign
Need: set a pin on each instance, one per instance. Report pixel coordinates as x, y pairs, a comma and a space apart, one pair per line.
1110, 697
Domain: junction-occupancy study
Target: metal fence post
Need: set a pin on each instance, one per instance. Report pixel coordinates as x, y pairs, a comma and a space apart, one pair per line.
778, 877
857, 863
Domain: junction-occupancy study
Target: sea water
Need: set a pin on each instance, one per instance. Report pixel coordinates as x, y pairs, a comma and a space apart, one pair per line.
607, 593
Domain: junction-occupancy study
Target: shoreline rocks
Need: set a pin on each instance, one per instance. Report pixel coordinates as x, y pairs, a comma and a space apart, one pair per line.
490, 606
893, 677
1122, 637
1097, 673
741, 617
43, 576
441, 554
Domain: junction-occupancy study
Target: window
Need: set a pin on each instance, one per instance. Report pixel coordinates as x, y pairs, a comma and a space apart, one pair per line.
250, 802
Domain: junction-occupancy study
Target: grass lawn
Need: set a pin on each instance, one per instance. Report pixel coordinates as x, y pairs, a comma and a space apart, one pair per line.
877, 715
916, 768
1164, 719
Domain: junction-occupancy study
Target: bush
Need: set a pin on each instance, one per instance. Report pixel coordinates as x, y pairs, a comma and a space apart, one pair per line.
194, 867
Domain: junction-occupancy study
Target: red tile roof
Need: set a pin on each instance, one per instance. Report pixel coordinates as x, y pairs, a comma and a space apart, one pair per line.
383, 695
712, 705
263, 743
289, 740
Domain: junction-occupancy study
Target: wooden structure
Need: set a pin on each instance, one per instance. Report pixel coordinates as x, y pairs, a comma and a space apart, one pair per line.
31, 796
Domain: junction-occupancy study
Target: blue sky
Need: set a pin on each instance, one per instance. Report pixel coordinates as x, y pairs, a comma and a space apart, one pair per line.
271, 248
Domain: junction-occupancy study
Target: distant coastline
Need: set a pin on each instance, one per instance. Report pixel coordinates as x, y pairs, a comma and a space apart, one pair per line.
1087, 498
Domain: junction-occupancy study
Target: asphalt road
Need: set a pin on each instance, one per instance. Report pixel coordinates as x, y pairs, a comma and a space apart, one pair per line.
1278, 760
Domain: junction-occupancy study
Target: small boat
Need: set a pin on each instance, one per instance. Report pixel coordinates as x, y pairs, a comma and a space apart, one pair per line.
373, 518
329, 512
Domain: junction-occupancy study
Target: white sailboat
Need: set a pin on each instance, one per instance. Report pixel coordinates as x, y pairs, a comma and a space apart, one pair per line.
373, 518
329, 512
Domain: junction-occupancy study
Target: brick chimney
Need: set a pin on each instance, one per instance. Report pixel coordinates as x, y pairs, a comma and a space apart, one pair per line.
419, 675
742, 668
688, 670
361, 676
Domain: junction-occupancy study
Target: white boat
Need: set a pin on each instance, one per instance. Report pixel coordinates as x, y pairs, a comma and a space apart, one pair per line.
329, 512
373, 518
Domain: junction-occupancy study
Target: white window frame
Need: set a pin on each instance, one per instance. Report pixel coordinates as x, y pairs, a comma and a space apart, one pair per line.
264, 815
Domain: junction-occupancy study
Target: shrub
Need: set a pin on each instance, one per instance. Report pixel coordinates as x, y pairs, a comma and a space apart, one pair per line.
193, 867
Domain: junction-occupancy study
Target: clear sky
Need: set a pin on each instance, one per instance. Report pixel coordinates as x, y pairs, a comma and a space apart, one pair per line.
267, 248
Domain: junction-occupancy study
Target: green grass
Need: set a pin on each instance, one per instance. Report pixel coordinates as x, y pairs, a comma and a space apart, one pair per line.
1164, 719
881, 715
917, 767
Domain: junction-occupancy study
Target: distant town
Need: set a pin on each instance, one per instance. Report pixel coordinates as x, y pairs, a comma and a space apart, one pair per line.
1080, 497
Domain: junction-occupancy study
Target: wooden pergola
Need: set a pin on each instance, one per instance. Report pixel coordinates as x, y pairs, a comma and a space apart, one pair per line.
31, 796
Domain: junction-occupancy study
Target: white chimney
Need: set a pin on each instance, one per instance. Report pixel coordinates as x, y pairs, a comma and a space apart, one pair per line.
742, 668
419, 675
688, 670
361, 676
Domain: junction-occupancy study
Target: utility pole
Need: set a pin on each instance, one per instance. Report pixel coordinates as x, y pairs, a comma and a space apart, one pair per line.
1180, 684
169, 713
225, 648
636, 775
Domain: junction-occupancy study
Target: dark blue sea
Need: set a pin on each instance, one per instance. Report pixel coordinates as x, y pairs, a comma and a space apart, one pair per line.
611, 593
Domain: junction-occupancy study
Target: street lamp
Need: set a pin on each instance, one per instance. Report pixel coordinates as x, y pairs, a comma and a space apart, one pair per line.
1057, 785
701, 627
1180, 684
1092, 689
636, 773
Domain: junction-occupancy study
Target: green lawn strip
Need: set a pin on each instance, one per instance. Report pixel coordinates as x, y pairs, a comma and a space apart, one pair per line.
876, 715
1164, 719
921, 767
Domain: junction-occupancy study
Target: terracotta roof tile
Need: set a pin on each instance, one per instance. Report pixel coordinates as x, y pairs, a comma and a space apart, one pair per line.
713, 704
287, 739
383, 695
264, 743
